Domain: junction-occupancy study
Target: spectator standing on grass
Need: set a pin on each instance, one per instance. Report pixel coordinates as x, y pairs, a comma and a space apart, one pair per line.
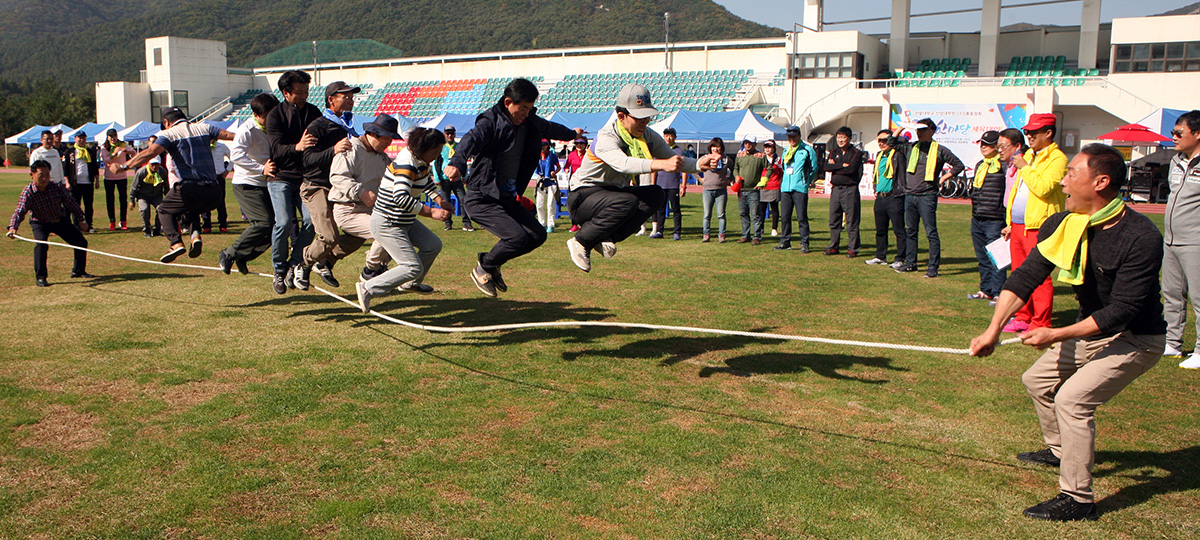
924, 176
149, 187
285, 128
674, 188
748, 180
1181, 252
1037, 195
50, 208
115, 153
799, 163
250, 158
83, 171
768, 198
1111, 256
845, 163
394, 222
48, 152
449, 187
222, 165
606, 207
546, 189
333, 132
889, 199
355, 176
190, 147
574, 162
715, 184
987, 213
504, 147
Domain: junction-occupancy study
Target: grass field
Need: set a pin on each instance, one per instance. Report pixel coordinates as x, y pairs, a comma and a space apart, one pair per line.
154, 402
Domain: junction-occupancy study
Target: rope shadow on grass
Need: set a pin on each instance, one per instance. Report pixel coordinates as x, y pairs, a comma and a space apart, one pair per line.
665, 405
1143, 467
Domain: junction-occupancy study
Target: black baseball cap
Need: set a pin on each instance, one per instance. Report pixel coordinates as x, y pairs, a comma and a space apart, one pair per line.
990, 138
337, 87
793, 130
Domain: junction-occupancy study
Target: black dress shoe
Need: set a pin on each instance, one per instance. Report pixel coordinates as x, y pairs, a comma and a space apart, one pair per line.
83, 275
224, 262
41, 282
1041, 457
241, 266
1063, 507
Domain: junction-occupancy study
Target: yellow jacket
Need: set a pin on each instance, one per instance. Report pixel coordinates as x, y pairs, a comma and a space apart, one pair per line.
1043, 176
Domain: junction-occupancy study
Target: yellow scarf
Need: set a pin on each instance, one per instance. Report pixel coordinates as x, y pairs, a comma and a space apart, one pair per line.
1067, 248
890, 171
114, 149
989, 166
930, 160
451, 146
153, 178
635, 147
81, 152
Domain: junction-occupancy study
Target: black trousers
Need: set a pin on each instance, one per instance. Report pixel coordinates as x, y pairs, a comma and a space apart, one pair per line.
672, 197
256, 239
889, 209
794, 201
517, 228
459, 192
69, 233
184, 204
844, 201
112, 187
85, 195
222, 214
611, 213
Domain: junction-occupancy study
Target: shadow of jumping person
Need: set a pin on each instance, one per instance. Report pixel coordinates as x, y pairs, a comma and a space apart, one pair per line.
1155, 473
677, 348
827, 365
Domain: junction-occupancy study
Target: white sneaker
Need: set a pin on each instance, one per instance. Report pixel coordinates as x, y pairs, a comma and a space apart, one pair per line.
1172, 351
875, 261
774, 232
608, 249
1193, 362
642, 231
364, 299
897, 265
579, 255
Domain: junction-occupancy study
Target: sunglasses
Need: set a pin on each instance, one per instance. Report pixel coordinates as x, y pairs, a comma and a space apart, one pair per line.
881, 140
1179, 132
1032, 132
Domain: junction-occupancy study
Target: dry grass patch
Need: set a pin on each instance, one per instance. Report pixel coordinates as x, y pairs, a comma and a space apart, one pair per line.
62, 428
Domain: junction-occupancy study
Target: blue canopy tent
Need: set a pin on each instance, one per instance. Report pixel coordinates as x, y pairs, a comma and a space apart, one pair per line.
461, 122
139, 131
732, 126
590, 122
1162, 122
101, 133
88, 129
61, 127
29, 136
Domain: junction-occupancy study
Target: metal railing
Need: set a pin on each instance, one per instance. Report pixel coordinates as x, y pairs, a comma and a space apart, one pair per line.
217, 108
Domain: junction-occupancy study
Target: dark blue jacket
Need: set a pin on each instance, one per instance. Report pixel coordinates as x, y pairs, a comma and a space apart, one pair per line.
490, 142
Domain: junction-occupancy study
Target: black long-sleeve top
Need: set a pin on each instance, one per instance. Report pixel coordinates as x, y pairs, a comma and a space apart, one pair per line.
846, 166
284, 127
915, 183
1120, 284
318, 158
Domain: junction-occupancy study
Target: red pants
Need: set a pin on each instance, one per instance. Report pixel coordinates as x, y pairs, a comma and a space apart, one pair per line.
1036, 312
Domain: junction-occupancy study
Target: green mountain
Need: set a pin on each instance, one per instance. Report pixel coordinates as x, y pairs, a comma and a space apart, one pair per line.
83, 41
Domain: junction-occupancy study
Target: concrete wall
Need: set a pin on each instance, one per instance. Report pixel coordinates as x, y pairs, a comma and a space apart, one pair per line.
194, 65
126, 103
1156, 29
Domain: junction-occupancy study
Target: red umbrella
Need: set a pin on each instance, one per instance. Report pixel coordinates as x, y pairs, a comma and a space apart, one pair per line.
1135, 133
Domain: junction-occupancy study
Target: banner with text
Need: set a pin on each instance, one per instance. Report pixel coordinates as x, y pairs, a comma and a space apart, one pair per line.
959, 124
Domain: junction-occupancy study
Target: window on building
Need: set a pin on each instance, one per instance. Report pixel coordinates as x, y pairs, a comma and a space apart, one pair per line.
1156, 57
827, 65
158, 56
181, 101
158, 102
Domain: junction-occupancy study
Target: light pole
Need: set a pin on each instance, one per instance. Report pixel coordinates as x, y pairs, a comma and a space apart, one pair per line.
315, 81
667, 40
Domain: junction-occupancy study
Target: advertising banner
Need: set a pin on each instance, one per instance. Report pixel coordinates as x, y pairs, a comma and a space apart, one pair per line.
959, 124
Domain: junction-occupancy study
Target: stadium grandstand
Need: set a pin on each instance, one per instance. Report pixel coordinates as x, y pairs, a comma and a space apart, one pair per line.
1094, 76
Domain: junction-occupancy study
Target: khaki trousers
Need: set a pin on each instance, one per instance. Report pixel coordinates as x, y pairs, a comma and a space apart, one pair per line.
328, 246
355, 220
1069, 381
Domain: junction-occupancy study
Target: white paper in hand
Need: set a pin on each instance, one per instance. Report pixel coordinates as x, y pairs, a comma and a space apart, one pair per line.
999, 254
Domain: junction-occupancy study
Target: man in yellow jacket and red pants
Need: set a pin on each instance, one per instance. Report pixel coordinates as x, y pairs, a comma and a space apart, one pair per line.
1036, 195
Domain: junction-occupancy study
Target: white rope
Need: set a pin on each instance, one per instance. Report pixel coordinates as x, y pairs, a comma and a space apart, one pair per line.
560, 324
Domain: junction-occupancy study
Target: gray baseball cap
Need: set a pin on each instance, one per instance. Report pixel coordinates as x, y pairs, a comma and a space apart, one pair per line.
635, 98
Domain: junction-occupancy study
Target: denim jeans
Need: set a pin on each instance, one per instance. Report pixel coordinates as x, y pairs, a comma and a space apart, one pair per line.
793, 201
922, 208
751, 217
711, 198
285, 200
414, 249
984, 232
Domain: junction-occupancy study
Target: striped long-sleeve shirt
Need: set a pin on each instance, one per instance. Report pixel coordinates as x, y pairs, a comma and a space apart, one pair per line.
407, 177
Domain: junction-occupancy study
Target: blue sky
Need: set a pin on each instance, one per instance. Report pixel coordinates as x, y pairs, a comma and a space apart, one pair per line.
782, 13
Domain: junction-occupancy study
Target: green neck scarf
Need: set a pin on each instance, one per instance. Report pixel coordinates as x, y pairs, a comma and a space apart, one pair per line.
930, 160
634, 146
82, 152
790, 153
1067, 248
